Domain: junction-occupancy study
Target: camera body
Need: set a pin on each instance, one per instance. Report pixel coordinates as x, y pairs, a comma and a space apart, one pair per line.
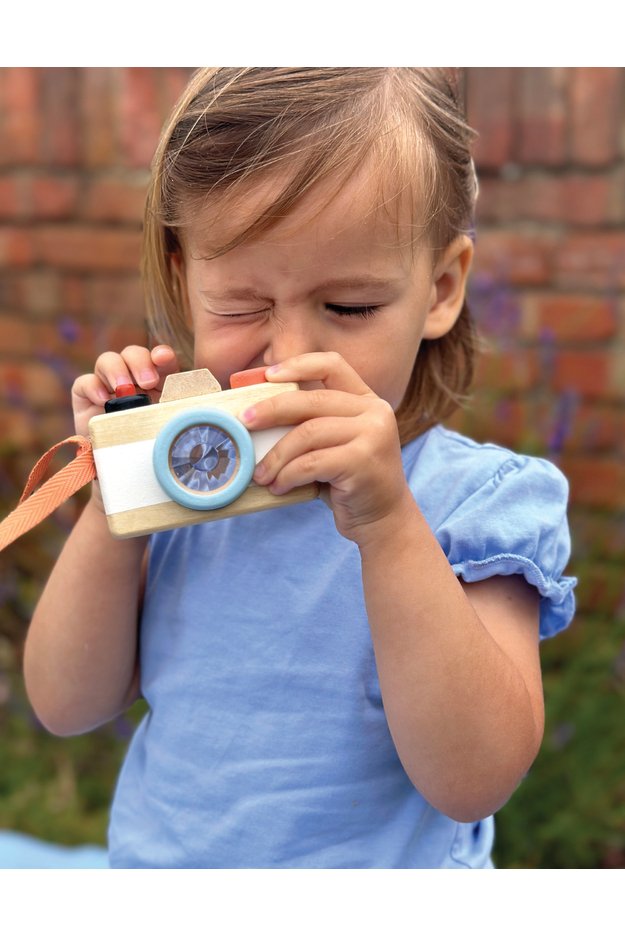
186, 459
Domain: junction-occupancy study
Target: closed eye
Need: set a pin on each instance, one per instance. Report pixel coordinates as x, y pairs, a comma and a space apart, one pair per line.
242, 314
364, 311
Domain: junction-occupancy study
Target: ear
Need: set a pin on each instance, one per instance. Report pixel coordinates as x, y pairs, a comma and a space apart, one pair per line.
449, 287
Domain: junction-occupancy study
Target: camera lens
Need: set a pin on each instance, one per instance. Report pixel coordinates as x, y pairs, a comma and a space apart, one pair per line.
204, 458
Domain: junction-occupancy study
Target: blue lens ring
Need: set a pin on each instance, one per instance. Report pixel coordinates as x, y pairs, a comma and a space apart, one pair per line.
204, 459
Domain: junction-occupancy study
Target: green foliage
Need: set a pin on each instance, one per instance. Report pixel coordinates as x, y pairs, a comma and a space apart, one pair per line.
56, 789
570, 810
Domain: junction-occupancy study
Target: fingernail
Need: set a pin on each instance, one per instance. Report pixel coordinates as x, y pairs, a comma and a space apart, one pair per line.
273, 369
248, 416
260, 472
146, 376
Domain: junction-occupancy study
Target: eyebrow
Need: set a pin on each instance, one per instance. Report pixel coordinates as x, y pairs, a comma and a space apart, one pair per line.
366, 281
235, 293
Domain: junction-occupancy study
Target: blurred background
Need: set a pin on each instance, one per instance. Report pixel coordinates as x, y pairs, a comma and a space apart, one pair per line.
548, 292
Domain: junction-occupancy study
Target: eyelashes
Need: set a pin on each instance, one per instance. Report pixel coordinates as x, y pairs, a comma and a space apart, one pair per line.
364, 311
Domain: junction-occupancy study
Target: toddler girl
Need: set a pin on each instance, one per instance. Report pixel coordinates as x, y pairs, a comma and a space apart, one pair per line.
352, 681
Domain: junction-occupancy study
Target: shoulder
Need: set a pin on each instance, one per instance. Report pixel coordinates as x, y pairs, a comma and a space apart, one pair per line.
446, 469
496, 513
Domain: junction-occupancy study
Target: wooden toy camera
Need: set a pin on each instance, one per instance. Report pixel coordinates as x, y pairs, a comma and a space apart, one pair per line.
186, 459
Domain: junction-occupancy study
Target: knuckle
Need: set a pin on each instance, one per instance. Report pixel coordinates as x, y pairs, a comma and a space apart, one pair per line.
383, 413
309, 463
307, 432
334, 359
315, 399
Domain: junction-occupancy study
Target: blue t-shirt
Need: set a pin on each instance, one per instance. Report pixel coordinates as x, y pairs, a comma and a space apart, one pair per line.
266, 744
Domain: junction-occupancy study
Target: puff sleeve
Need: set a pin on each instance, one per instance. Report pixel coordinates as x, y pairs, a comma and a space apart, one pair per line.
515, 524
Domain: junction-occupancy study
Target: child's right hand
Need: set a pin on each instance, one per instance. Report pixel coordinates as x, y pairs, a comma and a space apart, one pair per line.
147, 369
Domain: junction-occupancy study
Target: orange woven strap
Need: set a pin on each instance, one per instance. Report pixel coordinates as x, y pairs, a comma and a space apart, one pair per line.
33, 508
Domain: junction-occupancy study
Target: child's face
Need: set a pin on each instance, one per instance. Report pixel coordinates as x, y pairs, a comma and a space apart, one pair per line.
336, 281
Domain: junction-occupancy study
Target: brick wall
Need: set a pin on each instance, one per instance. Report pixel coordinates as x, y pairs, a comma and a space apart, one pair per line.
549, 292
548, 286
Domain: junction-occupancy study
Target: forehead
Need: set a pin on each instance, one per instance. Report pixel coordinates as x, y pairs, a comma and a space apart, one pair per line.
363, 208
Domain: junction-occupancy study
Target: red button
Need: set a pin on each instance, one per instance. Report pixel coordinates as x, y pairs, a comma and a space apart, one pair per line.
245, 378
125, 390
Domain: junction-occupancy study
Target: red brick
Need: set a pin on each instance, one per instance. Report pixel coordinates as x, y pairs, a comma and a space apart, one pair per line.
542, 116
53, 426
30, 382
588, 373
117, 337
39, 293
117, 299
592, 199
596, 535
569, 317
61, 118
15, 336
73, 291
16, 247
490, 111
17, 429
507, 421
27, 196
595, 482
515, 258
54, 198
11, 198
497, 201
19, 113
597, 116
140, 116
574, 198
594, 260
173, 83
116, 199
600, 588
597, 428
98, 117
508, 370
80, 247
10, 288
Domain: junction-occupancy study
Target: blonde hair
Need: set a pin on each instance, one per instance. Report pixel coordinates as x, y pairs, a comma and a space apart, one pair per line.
234, 126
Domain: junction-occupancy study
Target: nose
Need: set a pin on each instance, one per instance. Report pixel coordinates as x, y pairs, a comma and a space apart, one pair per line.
294, 332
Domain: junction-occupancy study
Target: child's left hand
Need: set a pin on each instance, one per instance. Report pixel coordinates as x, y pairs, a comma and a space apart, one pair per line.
345, 436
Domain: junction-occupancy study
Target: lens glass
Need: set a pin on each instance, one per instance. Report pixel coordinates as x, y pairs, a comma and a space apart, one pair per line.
204, 458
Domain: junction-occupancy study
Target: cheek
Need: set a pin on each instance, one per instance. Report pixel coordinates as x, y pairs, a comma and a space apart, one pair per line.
224, 350
397, 377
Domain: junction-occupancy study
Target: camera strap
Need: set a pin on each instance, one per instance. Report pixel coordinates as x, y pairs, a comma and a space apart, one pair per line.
35, 506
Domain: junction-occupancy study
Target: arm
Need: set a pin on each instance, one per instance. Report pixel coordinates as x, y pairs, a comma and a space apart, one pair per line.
80, 657
458, 667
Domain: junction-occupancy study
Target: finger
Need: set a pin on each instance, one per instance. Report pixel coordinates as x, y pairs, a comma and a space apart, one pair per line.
89, 389
298, 406
328, 367
312, 435
137, 365
165, 360
318, 465
89, 395
131, 366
